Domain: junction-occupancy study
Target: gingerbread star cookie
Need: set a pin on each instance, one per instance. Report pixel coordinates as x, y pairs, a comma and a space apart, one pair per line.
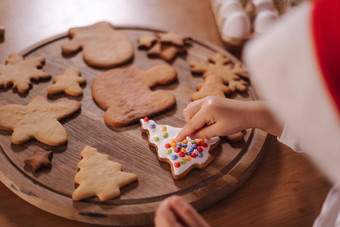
126, 94
229, 75
182, 156
98, 176
69, 82
19, 72
164, 45
39, 160
39, 120
102, 45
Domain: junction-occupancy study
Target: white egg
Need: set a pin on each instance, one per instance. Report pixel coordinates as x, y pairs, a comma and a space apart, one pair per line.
264, 20
237, 25
262, 5
229, 7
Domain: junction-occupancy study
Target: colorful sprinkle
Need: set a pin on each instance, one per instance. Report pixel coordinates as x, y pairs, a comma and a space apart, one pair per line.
185, 141
174, 157
182, 154
200, 149
182, 161
179, 145
165, 134
172, 141
200, 155
176, 150
183, 149
185, 145
187, 153
201, 140
191, 149
193, 141
168, 151
199, 143
188, 158
156, 138
152, 126
194, 155
177, 164
146, 119
163, 128
167, 145
194, 146
173, 145
205, 145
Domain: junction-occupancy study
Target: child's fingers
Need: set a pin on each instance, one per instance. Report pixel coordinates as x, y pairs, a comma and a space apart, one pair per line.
197, 122
192, 109
186, 213
164, 216
207, 132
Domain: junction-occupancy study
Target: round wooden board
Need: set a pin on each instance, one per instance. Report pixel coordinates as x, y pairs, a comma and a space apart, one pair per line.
51, 189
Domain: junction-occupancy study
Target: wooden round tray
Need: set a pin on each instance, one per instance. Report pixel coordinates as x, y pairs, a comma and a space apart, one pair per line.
51, 189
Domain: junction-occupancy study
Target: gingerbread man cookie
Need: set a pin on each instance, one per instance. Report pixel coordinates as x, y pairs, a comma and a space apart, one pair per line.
183, 156
98, 176
126, 96
20, 72
39, 120
69, 82
102, 45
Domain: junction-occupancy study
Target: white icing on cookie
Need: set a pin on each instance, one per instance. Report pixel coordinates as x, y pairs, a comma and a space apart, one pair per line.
170, 153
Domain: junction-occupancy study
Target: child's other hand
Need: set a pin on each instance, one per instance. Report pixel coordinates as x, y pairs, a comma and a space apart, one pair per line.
176, 212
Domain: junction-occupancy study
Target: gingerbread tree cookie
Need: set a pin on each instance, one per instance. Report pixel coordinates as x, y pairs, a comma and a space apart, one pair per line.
181, 156
219, 67
69, 82
39, 120
102, 45
19, 72
98, 176
126, 94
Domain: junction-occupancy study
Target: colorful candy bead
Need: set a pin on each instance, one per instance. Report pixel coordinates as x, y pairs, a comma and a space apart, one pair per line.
174, 157
200, 155
156, 138
201, 140
191, 149
194, 155
163, 128
152, 126
168, 151
205, 145
193, 141
165, 134
173, 145
181, 154
176, 150
199, 143
179, 145
187, 153
172, 141
185, 145
188, 158
200, 149
183, 149
194, 146
182, 161
185, 142
146, 119
167, 145
177, 164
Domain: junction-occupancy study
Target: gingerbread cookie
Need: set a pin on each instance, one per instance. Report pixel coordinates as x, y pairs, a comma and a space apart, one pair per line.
69, 82
229, 75
102, 45
164, 45
39, 120
183, 156
19, 72
126, 96
39, 160
98, 176
212, 86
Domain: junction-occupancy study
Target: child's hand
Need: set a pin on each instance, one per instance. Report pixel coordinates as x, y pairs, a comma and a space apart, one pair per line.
215, 116
176, 212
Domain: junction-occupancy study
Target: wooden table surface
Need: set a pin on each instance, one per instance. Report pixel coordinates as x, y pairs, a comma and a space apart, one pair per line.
285, 190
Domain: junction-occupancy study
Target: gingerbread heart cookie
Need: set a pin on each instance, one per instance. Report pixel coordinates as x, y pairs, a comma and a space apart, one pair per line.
102, 45
182, 156
126, 94
98, 176
39, 120
19, 72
